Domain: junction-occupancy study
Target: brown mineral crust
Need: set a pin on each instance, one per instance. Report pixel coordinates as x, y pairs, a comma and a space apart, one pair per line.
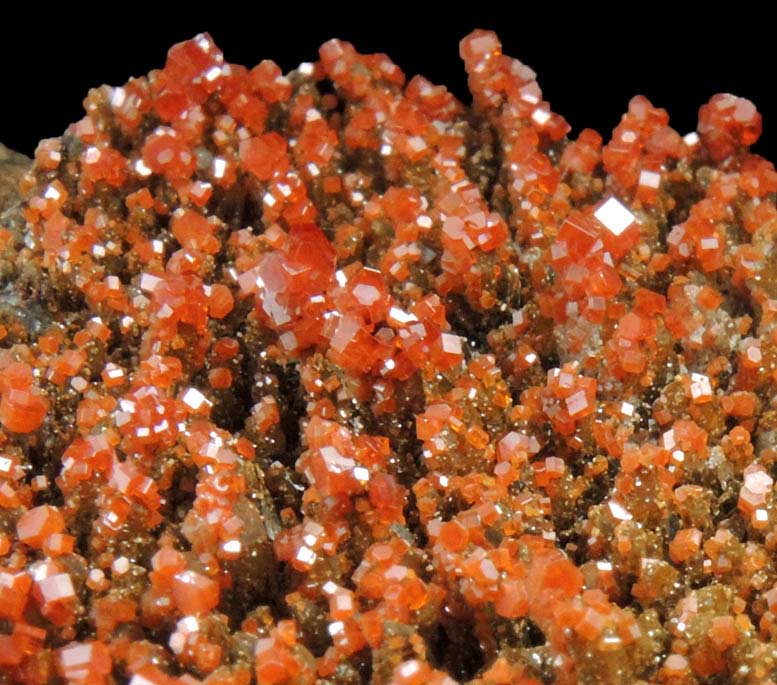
330, 378
12, 166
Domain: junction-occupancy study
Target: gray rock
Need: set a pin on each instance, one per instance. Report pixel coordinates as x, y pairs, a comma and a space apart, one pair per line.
12, 166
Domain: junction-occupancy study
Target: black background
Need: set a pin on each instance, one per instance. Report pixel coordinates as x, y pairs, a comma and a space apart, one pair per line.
589, 61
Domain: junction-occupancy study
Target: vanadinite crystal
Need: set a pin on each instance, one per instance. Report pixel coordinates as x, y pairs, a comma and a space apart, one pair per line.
327, 378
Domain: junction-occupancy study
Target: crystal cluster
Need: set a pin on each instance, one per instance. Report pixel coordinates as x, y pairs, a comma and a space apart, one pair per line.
329, 378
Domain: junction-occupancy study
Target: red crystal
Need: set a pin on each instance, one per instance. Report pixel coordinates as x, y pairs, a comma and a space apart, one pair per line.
340, 376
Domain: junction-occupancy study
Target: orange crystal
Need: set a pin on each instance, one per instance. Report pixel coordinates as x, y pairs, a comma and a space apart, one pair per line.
342, 380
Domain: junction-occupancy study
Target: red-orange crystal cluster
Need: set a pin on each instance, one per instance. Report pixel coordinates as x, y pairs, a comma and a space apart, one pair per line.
327, 378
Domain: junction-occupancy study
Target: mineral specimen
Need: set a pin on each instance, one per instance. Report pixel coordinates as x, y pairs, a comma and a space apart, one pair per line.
329, 378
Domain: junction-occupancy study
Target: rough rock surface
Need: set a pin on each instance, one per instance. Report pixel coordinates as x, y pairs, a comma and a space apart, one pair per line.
12, 166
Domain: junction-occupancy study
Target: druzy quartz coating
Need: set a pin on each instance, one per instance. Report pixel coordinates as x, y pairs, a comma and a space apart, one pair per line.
330, 378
